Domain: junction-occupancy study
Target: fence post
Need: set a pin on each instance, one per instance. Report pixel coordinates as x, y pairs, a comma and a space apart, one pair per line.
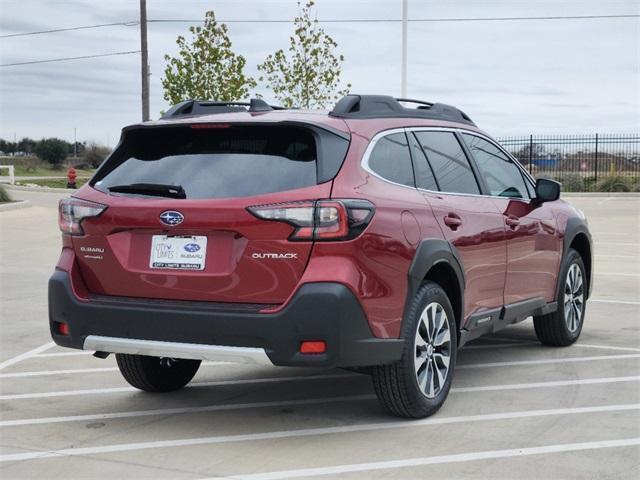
530, 152
596, 160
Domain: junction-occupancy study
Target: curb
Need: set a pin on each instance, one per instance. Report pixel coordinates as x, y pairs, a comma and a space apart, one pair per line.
41, 189
5, 207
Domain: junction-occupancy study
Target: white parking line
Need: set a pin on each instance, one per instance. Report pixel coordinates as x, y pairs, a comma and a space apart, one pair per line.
367, 427
70, 353
312, 401
623, 244
607, 347
218, 383
547, 361
58, 372
25, 355
617, 274
452, 458
608, 300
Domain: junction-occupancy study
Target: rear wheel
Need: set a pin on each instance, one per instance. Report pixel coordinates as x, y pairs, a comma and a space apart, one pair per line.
563, 327
418, 384
156, 374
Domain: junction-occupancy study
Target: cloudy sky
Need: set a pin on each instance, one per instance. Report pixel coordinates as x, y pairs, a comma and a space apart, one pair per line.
511, 77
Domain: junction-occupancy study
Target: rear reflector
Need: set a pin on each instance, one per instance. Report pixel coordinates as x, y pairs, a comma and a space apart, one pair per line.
62, 328
313, 346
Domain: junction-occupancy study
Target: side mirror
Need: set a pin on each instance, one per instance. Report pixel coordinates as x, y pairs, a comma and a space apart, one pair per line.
547, 190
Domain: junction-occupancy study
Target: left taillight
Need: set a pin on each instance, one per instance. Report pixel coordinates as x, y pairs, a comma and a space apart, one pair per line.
71, 212
320, 220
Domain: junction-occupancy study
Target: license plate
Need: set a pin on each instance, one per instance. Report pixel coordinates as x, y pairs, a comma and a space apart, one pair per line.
180, 253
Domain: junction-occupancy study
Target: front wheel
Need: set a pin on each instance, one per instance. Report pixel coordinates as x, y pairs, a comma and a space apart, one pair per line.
156, 374
563, 327
418, 384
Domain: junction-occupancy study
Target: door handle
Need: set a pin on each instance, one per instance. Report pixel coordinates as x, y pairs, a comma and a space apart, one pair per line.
452, 221
512, 221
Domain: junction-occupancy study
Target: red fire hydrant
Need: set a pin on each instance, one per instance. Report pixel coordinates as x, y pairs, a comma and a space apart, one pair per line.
71, 177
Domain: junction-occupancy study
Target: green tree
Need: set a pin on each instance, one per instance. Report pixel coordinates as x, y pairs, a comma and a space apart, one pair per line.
309, 75
206, 67
52, 150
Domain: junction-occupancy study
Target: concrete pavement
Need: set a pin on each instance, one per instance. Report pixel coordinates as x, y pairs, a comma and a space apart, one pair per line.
517, 409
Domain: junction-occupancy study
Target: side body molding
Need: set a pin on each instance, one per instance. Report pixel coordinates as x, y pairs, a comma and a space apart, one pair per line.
431, 252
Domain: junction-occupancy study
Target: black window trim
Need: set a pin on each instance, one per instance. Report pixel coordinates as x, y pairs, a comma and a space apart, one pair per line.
364, 163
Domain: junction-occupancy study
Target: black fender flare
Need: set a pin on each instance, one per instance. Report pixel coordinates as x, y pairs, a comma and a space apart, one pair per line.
574, 227
431, 252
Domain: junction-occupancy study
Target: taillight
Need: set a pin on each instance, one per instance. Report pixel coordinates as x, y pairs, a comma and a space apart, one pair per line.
73, 210
321, 220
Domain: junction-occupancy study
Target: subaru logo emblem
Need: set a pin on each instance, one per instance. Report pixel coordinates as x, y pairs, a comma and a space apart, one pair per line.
171, 218
192, 247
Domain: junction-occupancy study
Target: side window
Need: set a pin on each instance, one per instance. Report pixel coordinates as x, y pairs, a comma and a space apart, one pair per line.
502, 176
448, 161
391, 159
424, 174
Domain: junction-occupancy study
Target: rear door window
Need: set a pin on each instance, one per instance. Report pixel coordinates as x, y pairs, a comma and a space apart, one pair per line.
501, 175
391, 159
448, 161
227, 161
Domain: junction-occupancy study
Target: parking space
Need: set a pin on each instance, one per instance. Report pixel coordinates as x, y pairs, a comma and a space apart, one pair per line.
517, 408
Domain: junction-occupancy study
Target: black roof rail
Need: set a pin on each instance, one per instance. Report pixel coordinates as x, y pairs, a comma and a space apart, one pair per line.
384, 106
207, 107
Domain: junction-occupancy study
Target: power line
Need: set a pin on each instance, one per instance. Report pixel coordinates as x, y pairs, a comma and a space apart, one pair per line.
410, 20
332, 20
84, 27
70, 58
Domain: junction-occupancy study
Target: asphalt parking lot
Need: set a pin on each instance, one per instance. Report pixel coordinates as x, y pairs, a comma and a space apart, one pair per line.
517, 409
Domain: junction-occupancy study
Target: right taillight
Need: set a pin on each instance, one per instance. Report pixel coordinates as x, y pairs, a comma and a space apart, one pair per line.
73, 210
320, 220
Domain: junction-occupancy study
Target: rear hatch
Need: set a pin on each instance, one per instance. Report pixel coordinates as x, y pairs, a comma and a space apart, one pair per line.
178, 223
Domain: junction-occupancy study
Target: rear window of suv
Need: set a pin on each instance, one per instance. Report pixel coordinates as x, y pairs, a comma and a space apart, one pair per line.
218, 162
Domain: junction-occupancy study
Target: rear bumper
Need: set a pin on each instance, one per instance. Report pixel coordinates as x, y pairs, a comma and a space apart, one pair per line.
318, 311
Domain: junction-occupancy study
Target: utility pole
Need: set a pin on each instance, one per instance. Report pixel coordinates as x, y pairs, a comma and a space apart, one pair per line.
144, 58
403, 69
75, 144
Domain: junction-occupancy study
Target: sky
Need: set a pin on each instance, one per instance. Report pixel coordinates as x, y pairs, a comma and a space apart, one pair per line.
511, 77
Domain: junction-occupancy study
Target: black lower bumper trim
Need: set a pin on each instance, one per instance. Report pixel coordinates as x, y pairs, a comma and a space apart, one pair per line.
318, 311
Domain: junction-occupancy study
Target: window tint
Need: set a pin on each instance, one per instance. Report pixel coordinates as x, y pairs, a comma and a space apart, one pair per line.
424, 174
391, 159
214, 163
502, 176
448, 161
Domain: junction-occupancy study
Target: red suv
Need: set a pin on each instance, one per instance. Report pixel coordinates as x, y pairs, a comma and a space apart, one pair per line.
375, 237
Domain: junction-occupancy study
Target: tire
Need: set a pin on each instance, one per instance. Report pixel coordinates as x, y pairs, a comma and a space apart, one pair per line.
562, 327
156, 374
418, 384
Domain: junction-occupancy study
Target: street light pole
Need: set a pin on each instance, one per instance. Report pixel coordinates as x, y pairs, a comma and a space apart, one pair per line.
144, 58
403, 69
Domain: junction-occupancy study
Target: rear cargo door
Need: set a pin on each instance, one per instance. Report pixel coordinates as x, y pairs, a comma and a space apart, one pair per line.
177, 226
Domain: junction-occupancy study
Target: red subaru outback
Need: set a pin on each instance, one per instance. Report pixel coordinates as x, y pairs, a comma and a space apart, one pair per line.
375, 235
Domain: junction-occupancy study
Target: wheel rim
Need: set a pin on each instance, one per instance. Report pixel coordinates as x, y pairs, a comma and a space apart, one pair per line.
432, 347
573, 298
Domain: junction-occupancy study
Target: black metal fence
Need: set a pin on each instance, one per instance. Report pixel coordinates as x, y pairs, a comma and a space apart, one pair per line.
581, 162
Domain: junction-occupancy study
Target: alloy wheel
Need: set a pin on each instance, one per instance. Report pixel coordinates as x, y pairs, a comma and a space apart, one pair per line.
573, 298
432, 347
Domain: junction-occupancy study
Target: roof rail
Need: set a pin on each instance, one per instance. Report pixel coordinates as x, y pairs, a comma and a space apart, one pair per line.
383, 106
206, 107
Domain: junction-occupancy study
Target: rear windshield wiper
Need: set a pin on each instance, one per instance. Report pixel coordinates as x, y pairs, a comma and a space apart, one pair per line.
152, 189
